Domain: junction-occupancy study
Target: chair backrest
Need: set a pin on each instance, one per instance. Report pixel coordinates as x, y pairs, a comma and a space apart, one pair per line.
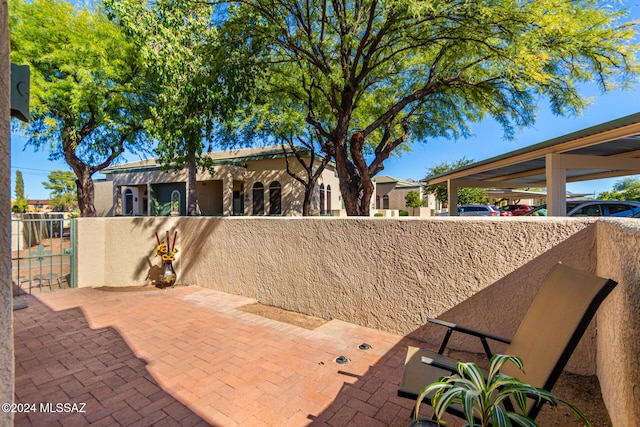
552, 327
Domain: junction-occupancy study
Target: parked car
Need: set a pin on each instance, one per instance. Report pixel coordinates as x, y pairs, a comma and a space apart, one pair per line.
478, 210
517, 210
500, 211
576, 208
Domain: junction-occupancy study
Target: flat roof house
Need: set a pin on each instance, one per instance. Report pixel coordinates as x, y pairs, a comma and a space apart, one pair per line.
391, 194
250, 181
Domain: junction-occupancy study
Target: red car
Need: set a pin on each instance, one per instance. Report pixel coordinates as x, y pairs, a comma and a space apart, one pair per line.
517, 209
500, 211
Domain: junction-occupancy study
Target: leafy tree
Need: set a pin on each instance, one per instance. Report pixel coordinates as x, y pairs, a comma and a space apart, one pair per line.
198, 73
63, 190
21, 203
19, 186
611, 195
374, 73
465, 195
276, 115
626, 189
413, 200
88, 95
626, 183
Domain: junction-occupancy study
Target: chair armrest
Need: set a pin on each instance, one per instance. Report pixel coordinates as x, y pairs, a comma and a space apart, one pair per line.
469, 331
444, 366
482, 335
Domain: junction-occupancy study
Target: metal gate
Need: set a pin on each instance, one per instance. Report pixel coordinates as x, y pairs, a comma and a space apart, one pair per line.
43, 252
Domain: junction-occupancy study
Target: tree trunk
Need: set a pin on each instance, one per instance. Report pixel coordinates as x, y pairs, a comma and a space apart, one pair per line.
306, 203
84, 184
192, 170
366, 190
312, 180
356, 190
86, 195
312, 176
348, 188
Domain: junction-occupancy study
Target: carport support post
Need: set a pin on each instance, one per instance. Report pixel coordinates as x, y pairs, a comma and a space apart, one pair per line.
452, 190
556, 185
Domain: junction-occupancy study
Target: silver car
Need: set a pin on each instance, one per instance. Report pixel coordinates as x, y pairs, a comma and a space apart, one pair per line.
576, 208
478, 210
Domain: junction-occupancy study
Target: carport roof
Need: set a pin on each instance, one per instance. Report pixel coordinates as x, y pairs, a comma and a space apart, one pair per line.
618, 139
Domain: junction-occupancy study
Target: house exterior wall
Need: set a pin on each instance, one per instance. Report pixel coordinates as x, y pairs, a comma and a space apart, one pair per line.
268, 171
397, 198
104, 194
210, 197
162, 193
217, 188
38, 206
397, 195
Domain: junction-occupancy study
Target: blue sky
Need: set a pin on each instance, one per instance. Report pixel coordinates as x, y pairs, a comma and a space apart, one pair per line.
486, 142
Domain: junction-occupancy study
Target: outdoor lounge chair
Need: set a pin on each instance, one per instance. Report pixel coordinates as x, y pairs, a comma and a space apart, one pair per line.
546, 338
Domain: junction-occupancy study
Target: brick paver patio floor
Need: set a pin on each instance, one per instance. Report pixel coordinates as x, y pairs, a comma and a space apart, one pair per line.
188, 356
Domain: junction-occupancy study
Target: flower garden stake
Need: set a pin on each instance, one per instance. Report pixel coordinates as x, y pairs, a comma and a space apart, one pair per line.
167, 252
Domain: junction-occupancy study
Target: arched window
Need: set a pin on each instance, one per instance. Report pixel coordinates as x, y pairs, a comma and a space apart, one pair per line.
385, 202
258, 199
275, 198
128, 202
328, 197
377, 202
175, 202
321, 197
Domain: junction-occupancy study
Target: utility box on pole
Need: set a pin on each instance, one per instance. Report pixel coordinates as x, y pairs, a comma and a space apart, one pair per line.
20, 83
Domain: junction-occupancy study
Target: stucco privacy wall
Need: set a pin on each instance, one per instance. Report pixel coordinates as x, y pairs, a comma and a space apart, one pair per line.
6, 313
619, 320
386, 274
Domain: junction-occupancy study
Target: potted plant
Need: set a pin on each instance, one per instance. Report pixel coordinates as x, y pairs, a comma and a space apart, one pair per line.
481, 398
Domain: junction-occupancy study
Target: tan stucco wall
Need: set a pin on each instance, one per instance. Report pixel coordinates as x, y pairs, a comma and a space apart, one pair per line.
331, 267
6, 312
104, 195
619, 320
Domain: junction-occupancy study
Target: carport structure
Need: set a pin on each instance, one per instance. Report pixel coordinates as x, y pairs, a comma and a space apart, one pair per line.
607, 150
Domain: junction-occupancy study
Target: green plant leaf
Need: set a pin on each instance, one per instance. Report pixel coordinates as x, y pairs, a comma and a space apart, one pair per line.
499, 417
471, 401
434, 387
522, 420
577, 412
442, 400
471, 371
500, 359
